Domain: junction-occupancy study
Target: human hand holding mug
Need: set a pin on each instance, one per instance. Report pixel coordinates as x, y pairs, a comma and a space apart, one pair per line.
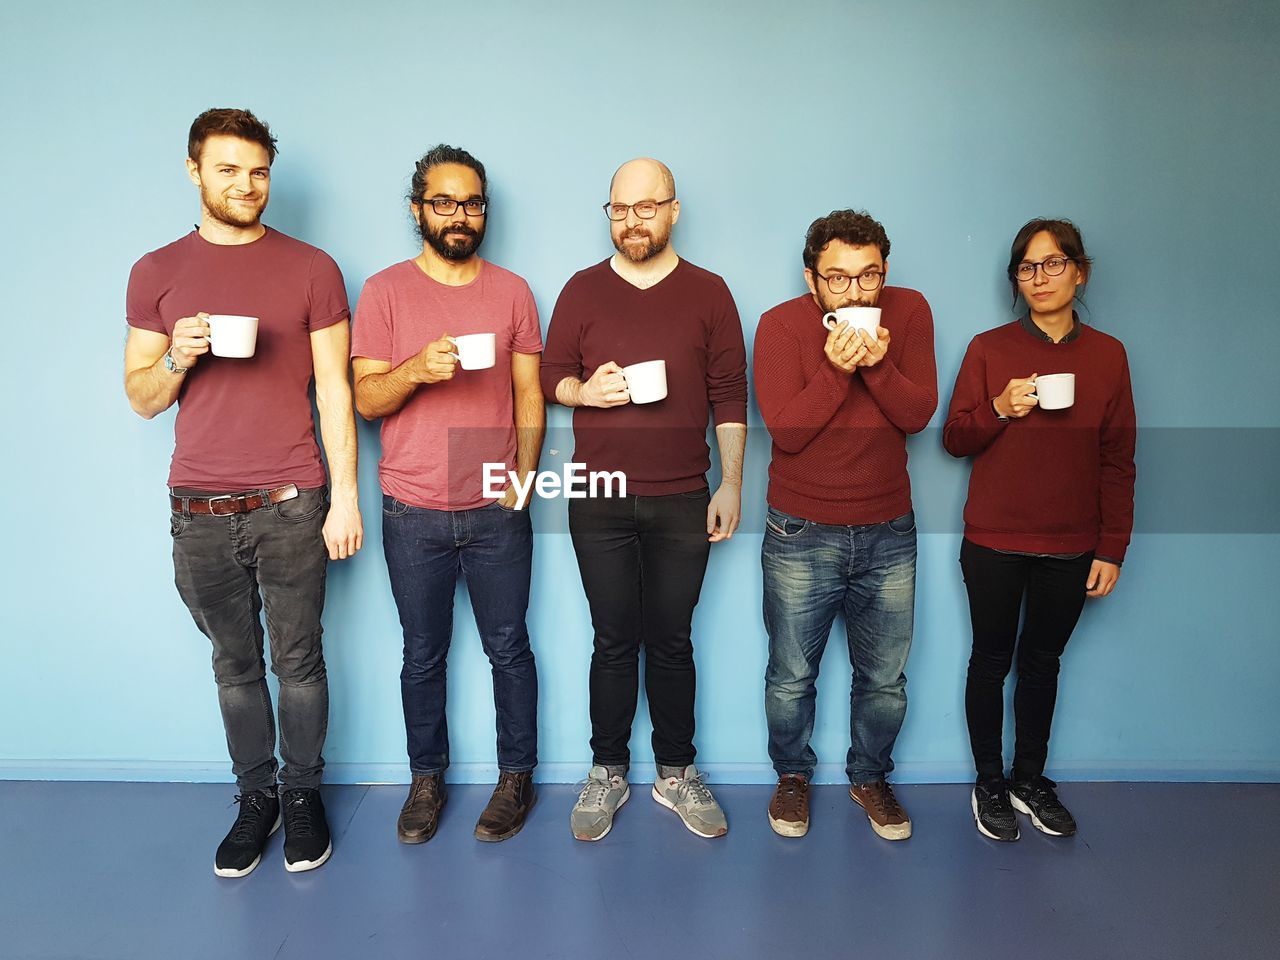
607, 387
190, 340
1018, 399
435, 362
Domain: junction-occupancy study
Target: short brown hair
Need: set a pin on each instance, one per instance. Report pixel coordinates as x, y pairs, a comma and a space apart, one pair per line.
229, 122
853, 227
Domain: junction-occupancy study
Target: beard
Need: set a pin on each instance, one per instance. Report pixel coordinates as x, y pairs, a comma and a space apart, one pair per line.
455, 248
644, 245
233, 215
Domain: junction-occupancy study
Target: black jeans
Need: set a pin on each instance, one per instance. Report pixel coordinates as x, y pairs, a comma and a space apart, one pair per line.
1055, 593
642, 561
228, 570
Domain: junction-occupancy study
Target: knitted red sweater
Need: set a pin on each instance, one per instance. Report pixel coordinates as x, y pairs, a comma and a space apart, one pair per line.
839, 439
1055, 481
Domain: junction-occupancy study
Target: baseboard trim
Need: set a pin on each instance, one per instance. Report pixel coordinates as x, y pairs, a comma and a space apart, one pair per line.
166, 771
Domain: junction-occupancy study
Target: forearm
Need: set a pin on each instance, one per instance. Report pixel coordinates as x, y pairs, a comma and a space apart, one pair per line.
731, 438
531, 428
152, 390
907, 400
338, 433
382, 394
569, 392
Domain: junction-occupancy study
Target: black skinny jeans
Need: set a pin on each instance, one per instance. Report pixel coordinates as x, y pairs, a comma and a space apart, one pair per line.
1054, 590
642, 561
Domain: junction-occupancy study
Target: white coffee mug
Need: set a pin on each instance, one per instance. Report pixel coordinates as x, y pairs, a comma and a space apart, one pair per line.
647, 381
861, 318
232, 336
474, 351
1055, 391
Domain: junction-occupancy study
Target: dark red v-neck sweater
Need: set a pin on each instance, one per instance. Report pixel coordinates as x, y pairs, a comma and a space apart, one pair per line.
839, 439
1055, 481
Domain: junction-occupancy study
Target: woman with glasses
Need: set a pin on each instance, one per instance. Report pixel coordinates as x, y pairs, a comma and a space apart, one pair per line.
1049, 512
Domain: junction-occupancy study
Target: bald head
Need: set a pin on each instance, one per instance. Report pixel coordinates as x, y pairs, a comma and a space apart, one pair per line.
642, 178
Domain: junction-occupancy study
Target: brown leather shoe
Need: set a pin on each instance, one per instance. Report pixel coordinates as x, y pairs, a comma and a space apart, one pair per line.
420, 814
505, 813
887, 817
789, 808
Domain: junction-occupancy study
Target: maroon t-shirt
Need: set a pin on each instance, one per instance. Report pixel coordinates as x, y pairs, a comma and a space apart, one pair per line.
243, 424
687, 319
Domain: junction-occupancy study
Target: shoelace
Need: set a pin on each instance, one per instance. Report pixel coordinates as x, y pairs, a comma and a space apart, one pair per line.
791, 792
422, 785
693, 789
252, 808
299, 813
593, 792
886, 802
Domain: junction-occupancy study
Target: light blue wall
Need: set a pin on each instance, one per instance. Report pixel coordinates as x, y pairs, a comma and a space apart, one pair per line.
1153, 125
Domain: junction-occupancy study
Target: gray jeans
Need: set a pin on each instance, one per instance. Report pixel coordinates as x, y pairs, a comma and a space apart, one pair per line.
228, 570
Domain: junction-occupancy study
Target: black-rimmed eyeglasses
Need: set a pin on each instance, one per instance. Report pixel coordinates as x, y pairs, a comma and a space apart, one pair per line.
447, 206
838, 283
645, 209
1052, 267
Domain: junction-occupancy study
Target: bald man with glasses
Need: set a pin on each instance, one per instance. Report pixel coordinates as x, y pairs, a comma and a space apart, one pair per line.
643, 556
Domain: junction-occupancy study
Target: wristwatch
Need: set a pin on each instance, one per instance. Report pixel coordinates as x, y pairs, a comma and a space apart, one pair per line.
170, 365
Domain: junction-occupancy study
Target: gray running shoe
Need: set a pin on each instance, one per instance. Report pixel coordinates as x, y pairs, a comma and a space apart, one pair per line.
689, 797
599, 800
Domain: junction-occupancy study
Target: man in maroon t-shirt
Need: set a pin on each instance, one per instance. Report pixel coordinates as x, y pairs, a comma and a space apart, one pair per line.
446, 413
642, 556
252, 521
840, 535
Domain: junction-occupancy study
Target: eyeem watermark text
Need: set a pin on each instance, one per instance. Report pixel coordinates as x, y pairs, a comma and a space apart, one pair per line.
573, 482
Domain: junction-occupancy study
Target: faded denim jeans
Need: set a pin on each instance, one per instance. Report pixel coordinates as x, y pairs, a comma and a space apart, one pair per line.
228, 571
813, 571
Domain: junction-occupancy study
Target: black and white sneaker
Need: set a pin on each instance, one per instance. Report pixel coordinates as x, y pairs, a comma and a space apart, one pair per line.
1038, 799
241, 850
306, 832
992, 811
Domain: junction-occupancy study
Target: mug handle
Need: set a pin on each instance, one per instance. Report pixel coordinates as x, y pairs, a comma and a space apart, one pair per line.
455, 356
829, 320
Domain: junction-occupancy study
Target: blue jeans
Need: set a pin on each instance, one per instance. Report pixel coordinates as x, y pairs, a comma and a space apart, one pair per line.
812, 571
493, 549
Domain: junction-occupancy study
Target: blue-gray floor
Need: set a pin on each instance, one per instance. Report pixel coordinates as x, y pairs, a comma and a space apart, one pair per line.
120, 870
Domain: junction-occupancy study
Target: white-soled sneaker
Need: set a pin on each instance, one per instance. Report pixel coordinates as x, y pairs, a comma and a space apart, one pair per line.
601, 796
689, 797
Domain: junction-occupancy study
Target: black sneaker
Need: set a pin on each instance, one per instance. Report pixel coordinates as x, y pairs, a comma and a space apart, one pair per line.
1037, 798
258, 819
992, 811
306, 833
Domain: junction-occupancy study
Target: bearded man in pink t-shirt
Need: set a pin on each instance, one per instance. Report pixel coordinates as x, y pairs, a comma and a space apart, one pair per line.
442, 421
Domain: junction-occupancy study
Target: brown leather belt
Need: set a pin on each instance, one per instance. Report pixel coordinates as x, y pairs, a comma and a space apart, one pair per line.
224, 506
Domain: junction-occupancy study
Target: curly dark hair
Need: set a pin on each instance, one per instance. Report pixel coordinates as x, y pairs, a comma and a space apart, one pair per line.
229, 122
1064, 232
854, 227
439, 154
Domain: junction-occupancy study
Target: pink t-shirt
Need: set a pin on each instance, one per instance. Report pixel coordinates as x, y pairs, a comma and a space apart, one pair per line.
243, 424
435, 446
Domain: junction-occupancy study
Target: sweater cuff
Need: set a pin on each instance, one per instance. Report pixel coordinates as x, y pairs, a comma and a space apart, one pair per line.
730, 411
1112, 550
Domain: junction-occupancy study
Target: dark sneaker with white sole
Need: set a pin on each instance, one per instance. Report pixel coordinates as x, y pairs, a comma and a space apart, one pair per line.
306, 832
1038, 799
241, 851
992, 811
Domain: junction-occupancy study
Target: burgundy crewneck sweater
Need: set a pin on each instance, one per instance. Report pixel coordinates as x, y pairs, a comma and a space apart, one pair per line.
687, 319
1055, 481
839, 439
